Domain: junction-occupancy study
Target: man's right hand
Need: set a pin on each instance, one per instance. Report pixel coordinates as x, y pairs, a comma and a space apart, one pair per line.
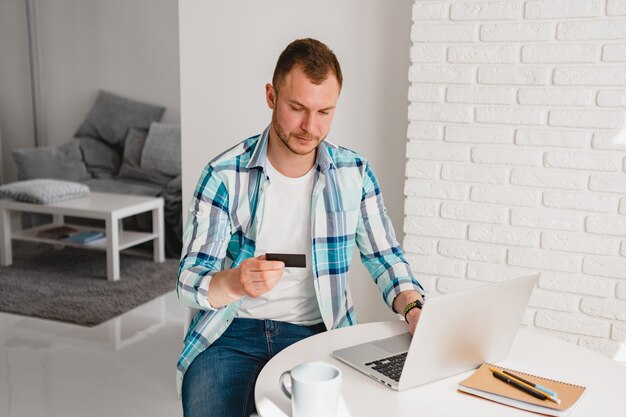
253, 278
257, 276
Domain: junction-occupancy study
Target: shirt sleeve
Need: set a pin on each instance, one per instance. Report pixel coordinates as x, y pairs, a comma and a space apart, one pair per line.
205, 239
380, 251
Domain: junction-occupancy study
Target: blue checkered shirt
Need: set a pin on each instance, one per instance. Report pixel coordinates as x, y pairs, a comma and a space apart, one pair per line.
346, 209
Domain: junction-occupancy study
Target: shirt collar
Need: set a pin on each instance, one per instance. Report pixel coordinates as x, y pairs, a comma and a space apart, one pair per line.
258, 159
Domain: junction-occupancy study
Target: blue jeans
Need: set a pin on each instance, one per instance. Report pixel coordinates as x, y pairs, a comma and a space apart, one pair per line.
220, 381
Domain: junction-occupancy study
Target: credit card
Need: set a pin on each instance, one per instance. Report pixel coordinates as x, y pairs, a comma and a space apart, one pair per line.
291, 260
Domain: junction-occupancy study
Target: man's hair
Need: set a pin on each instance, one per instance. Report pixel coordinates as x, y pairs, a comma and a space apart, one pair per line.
315, 58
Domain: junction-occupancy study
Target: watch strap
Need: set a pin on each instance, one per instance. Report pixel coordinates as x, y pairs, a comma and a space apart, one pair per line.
411, 306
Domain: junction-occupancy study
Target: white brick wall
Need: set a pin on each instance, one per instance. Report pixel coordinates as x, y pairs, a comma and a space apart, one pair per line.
614, 53
512, 164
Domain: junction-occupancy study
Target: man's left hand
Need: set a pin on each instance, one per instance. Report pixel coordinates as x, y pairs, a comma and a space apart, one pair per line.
413, 317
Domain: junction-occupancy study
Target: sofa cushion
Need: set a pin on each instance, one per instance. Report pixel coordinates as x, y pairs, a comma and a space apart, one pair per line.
64, 163
162, 149
43, 191
133, 146
111, 116
101, 159
130, 170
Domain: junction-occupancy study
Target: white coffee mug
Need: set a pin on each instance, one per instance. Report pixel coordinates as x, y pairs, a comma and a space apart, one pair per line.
315, 389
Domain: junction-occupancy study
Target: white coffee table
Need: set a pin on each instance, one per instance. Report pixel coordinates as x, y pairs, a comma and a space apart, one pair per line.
111, 208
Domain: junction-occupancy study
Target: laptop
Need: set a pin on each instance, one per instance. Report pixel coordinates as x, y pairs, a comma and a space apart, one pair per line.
456, 332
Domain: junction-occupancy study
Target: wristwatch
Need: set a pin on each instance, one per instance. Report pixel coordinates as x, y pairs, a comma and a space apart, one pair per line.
411, 306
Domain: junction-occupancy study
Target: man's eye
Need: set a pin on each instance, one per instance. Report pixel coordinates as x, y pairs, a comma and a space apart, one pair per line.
325, 112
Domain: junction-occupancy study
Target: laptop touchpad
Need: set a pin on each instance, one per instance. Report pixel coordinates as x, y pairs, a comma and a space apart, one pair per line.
396, 344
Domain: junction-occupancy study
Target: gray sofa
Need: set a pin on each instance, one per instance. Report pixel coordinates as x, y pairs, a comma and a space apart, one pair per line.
119, 148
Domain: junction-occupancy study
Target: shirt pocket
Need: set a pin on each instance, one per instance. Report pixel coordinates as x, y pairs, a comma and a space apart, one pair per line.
342, 223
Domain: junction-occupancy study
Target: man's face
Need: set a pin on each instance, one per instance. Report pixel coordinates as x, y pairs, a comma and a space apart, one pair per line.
303, 111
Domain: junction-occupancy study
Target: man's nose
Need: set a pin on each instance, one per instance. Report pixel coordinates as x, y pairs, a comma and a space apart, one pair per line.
308, 121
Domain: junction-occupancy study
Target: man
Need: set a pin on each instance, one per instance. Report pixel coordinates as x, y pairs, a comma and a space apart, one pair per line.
286, 190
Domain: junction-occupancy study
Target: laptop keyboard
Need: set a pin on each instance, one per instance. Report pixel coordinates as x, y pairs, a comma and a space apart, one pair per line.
391, 366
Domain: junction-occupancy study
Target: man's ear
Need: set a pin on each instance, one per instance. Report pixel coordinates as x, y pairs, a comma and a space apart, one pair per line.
270, 96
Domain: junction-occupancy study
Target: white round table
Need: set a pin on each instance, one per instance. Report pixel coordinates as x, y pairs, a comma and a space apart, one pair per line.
361, 396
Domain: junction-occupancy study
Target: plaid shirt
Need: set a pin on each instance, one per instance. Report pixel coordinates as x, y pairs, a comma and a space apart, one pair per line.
346, 209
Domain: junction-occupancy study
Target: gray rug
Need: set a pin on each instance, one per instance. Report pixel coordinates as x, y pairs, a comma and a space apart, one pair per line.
70, 284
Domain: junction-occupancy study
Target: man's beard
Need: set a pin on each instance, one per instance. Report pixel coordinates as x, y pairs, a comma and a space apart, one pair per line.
285, 139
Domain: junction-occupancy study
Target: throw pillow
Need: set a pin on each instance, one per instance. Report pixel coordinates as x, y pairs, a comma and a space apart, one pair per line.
64, 163
162, 149
43, 191
133, 146
111, 116
130, 169
102, 160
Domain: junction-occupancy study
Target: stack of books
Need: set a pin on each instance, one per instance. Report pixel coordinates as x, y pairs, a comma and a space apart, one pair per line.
86, 237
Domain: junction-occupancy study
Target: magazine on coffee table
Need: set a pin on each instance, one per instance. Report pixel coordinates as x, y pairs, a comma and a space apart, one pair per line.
85, 237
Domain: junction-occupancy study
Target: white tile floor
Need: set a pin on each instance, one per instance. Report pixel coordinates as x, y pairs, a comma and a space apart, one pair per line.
124, 367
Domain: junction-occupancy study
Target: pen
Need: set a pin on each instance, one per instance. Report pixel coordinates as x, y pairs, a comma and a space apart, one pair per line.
532, 384
522, 386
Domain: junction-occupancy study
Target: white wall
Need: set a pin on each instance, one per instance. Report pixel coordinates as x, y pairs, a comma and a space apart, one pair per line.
16, 118
126, 47
512, 165
228, 52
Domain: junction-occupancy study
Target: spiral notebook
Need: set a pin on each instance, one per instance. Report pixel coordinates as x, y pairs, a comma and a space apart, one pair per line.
482, 384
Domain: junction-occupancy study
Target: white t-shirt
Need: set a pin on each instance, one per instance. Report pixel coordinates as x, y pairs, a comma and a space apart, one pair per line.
286, 228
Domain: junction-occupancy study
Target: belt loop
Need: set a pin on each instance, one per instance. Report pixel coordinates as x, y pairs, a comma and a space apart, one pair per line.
271, 327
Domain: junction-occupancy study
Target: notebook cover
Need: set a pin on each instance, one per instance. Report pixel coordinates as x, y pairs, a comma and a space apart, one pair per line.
482, 383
